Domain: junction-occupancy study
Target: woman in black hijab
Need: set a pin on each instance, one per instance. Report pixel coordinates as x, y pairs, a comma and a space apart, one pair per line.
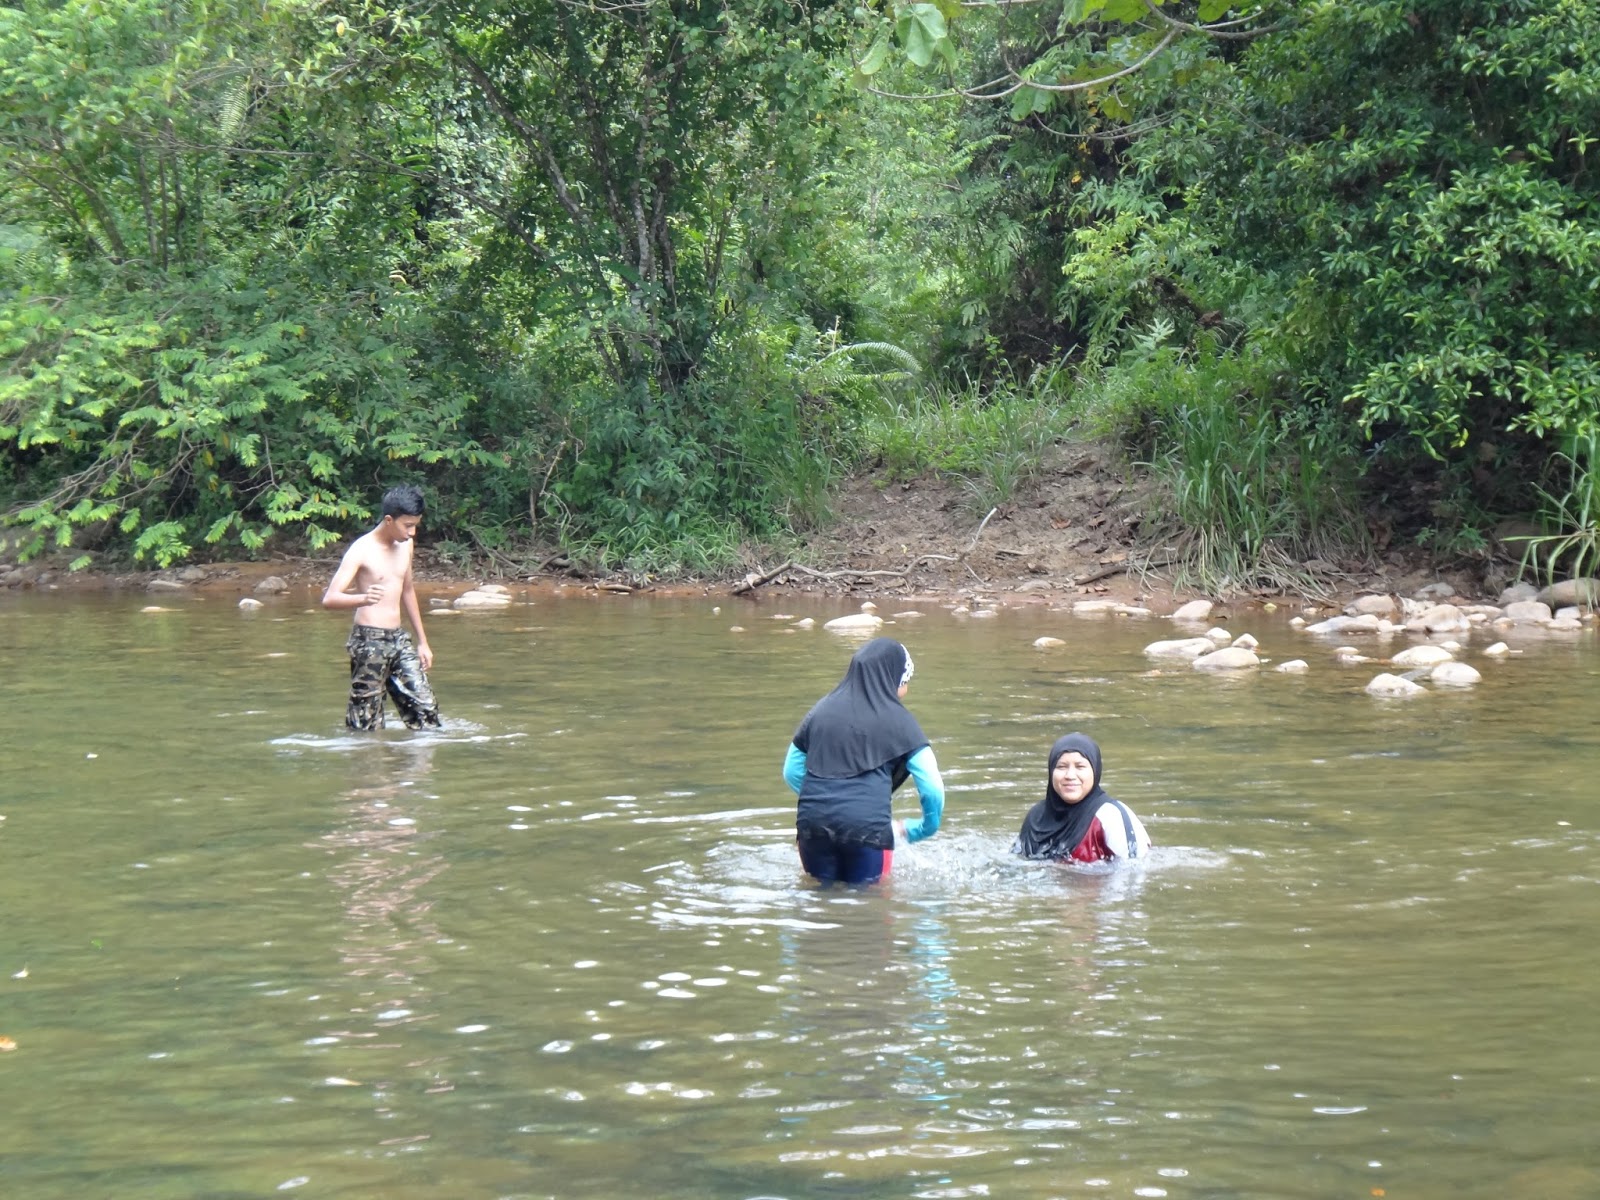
856, 745
1077, 821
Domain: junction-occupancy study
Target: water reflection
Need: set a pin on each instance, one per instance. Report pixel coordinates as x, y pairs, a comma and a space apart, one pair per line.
384, 870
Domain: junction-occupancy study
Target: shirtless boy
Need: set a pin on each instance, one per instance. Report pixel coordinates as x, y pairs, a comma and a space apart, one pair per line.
375, 579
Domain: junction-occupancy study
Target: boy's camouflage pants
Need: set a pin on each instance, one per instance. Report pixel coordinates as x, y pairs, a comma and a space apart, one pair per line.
384, 660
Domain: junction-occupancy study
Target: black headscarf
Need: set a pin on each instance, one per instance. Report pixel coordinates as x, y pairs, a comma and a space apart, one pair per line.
861, 724
1053, 828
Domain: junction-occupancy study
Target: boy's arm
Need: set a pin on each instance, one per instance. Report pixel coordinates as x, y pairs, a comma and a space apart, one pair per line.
339, 594
413, 611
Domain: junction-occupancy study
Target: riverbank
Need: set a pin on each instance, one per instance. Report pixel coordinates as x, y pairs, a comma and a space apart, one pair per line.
1074, 532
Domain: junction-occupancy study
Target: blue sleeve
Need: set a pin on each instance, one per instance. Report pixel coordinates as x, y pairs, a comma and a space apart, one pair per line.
794, 768
930, 788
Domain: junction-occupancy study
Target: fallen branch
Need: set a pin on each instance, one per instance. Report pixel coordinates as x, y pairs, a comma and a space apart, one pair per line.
852, 573
1102, 573
751, 582
973, 545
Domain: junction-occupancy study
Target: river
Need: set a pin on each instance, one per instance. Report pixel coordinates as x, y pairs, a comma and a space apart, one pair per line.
561, 948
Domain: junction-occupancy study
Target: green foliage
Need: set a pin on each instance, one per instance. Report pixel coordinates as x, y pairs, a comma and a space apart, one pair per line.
223, 344
994, 439
1572, 513
1246, 489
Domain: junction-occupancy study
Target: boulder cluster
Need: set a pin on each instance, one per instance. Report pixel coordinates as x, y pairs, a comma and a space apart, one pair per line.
1567, 607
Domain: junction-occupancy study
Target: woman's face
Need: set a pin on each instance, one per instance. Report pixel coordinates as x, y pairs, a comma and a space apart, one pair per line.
1073, 777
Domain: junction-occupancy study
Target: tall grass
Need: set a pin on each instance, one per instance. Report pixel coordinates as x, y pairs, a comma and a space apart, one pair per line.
1246, 492
1572, 515
993, 439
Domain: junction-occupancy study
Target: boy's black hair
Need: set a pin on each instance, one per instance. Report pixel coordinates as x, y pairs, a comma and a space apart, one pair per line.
403, 500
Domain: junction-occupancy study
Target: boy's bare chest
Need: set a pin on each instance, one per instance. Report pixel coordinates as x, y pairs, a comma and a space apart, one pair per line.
382, 562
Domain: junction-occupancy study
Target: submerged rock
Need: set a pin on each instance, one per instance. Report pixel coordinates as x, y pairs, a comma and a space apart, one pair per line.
1518, 591
1528, 612
1393, 685
1047, 643
1366, 623
249, 603
1092, 608
1229, 658
1422, 656
478, 598
1441, 618
855, 622
1455, 674
1295, 666
1380, 605
1584, 592
1190, 648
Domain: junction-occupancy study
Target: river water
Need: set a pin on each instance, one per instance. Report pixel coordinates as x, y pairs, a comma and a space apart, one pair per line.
562, 948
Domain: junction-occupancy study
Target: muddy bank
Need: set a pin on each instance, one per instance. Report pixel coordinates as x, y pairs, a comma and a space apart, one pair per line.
1073, 533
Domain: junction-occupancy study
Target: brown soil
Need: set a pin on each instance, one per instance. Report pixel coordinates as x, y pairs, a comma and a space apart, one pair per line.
1072, 532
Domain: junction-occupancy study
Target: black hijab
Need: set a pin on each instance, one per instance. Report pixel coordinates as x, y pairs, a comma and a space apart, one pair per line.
1053, 828
861, 724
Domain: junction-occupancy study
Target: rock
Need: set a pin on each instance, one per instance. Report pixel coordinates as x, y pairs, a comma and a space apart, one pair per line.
854, 623
249, 603
908, 615
1246, 641
14, 576
1441, 589
192, 574
1295, 666
1190, 648
1195, 610
1048, 643
1297, 622
1132, 610
983, 612
1092, 608
804, 623
1393, 685
1583, 592
479, 599
1220, 636
1369, 623
1229, 658
272, 585
1454, 674
1346, 655
1441, 618
867, 606
1567, 626
165, 585
1375, 605
735, 628
1518, 591
497, 589
1497, 650
1421, 656
1528, 612
1570, 613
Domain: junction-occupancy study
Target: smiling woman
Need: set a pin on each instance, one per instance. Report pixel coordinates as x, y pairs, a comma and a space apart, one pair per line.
1077, 820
